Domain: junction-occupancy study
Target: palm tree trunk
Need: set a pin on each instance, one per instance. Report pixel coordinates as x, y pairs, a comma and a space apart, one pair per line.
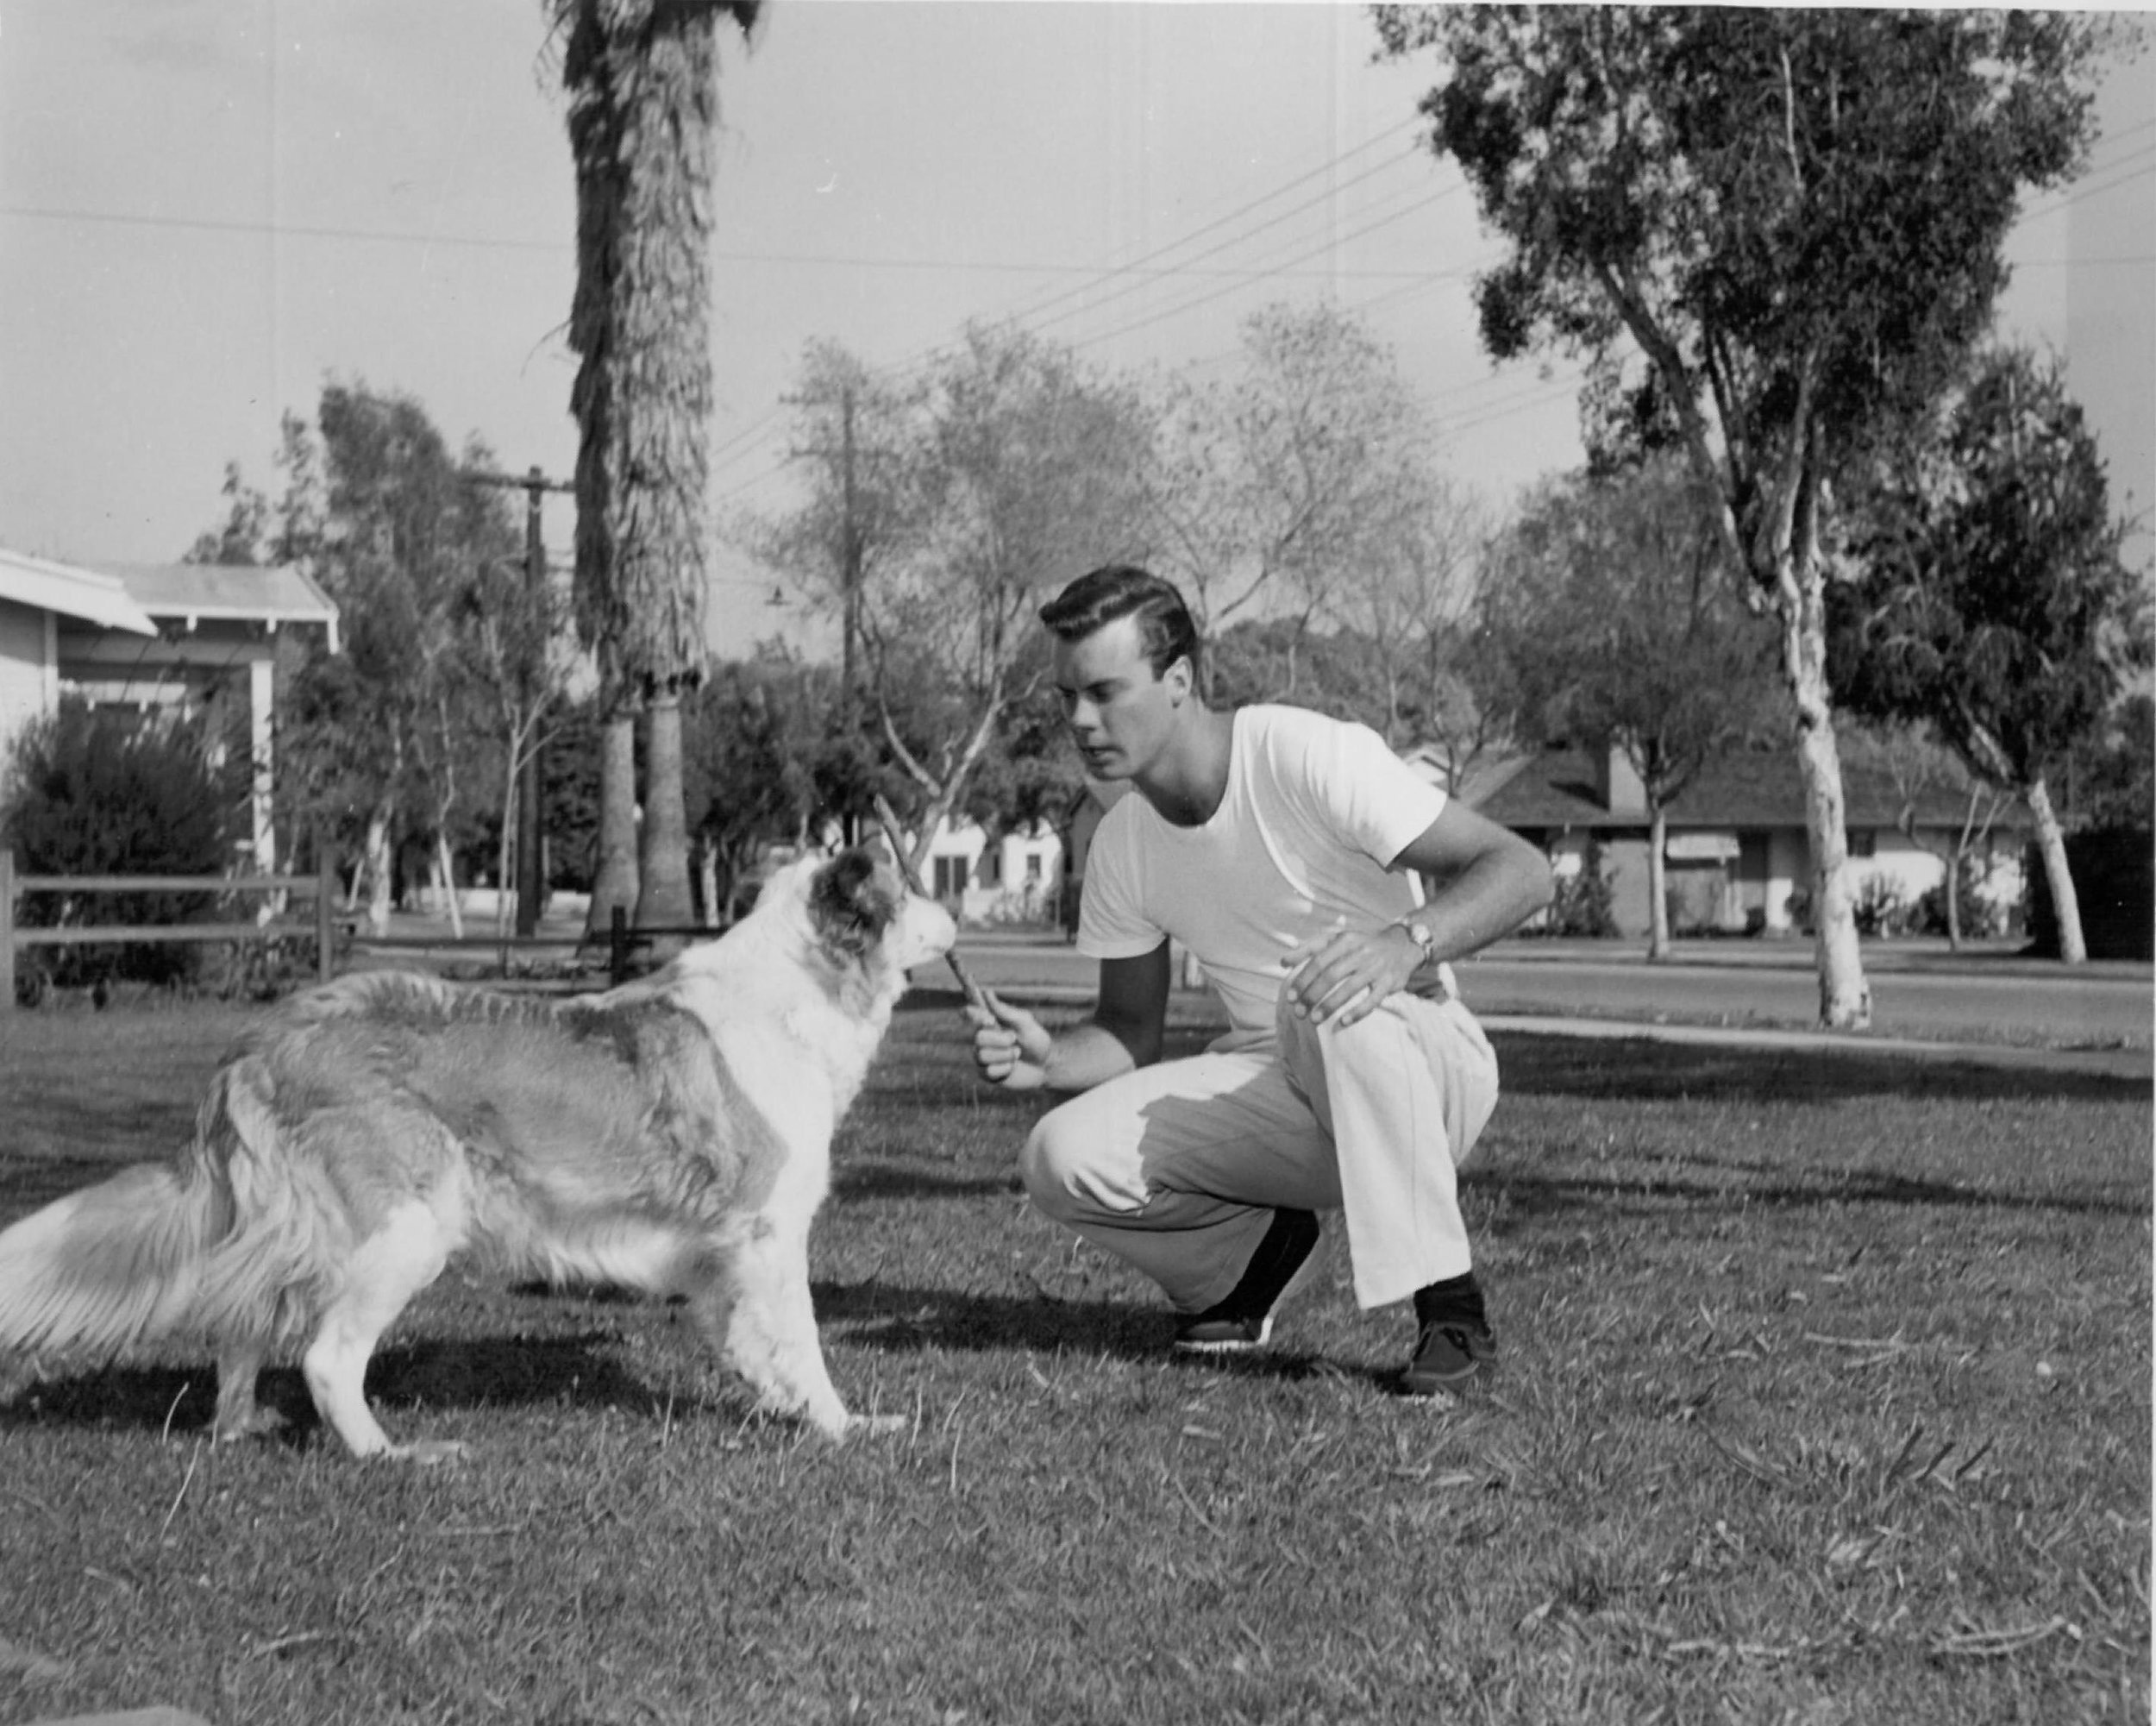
662, 898
614, 876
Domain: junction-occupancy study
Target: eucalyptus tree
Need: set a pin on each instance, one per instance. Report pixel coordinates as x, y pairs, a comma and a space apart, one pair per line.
642, 83
1992, 603
1790, 221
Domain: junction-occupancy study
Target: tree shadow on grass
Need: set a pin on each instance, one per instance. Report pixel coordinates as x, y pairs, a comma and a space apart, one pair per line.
1643, 1068
884, 1179
579, 1372
898, 1320
1529, 1199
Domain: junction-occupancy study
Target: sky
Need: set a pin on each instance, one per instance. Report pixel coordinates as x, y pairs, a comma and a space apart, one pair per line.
208, 208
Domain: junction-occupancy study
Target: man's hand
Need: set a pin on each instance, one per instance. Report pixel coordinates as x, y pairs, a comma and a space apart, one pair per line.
1344, 976
1010, 1045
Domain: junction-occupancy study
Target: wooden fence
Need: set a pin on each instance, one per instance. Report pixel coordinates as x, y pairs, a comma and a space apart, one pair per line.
623, 943
321, 886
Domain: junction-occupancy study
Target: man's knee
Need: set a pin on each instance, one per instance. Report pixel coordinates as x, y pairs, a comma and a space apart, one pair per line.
1071, 1170
1050, 1164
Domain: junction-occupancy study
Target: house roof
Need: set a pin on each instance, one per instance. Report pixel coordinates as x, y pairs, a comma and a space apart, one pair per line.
1752, 788
94, 596
273, 593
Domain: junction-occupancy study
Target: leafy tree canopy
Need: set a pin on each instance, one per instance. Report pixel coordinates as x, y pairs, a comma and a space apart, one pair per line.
1989, 600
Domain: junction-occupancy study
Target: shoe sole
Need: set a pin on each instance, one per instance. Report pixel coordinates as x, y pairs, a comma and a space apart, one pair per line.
1239, 1345
1306, 1274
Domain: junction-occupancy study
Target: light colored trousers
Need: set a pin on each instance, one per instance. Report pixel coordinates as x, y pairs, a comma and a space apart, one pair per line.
1178, 1167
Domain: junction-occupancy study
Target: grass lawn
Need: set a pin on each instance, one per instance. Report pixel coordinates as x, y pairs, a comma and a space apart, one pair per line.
1826, 1398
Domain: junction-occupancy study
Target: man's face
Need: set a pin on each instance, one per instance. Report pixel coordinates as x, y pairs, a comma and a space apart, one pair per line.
1121, 715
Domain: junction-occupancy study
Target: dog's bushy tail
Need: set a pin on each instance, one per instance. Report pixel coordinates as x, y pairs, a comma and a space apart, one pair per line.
137, 1258
106, 1268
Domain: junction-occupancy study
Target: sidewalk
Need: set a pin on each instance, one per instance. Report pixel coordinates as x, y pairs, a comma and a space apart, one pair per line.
1912, 955
1045, 971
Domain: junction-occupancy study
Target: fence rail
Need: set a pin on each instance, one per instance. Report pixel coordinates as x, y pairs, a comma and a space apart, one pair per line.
622, 941
322, 885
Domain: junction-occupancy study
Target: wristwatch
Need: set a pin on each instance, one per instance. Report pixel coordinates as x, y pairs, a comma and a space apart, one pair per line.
1422, 938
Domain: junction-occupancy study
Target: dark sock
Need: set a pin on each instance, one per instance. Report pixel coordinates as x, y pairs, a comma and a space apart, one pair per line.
1456, 1297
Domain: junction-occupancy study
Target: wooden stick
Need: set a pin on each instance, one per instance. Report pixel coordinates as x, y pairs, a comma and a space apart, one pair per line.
890, 823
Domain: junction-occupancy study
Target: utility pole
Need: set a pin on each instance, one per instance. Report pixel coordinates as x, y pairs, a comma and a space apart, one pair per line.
531, 844
851, 554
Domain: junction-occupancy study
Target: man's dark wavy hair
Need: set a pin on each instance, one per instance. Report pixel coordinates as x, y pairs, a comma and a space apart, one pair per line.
1098, 597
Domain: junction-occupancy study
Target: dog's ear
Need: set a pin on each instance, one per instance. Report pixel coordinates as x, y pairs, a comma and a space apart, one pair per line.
850, 904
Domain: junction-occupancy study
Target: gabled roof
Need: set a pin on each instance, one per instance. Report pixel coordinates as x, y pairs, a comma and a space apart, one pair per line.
93, 596
1749, 789
275, 593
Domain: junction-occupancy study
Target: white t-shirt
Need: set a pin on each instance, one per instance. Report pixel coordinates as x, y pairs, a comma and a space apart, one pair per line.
1315, 811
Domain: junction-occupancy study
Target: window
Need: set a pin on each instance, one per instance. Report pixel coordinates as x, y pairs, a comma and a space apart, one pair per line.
1864, 842
950, 877
1032, 866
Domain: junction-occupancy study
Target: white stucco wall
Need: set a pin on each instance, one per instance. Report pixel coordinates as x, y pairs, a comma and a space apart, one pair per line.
27, 673
997, 884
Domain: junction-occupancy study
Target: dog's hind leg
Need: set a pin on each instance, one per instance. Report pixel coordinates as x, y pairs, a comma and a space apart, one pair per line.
383, 1274
238, 1364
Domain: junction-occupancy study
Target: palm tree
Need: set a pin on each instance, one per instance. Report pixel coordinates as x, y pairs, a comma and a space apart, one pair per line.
641, 77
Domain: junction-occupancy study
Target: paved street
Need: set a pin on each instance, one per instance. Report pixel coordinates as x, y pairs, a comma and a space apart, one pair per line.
1918, 990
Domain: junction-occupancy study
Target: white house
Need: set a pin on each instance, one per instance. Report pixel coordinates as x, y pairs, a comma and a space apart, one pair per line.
1011, 877
1736, 847
152, 636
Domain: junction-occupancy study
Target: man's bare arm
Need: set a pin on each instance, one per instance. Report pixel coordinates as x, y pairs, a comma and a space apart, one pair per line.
1014, 1050
1489, 881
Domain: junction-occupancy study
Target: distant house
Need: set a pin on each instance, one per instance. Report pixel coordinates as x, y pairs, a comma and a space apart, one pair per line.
1736, 848
1013, 876
154, 636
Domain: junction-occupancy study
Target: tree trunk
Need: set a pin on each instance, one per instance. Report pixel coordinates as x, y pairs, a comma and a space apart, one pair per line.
445, 869
614, 875
1954, 903
506, 866
707, 885
1845, 998
2051, 842
379, 882
662, 876
1658, 884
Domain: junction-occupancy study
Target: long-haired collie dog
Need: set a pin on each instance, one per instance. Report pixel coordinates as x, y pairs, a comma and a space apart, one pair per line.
673, 1135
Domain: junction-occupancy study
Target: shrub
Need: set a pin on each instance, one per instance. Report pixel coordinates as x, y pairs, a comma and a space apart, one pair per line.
1881, 907
1581, 903
1982, 916
101, 791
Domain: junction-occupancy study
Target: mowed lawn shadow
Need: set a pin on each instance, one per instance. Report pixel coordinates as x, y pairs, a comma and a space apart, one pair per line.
896, 1319
1645, 1068
1531, 1200
579, 1372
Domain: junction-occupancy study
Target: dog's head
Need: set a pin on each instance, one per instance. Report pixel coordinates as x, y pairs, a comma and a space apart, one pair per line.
859, 911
